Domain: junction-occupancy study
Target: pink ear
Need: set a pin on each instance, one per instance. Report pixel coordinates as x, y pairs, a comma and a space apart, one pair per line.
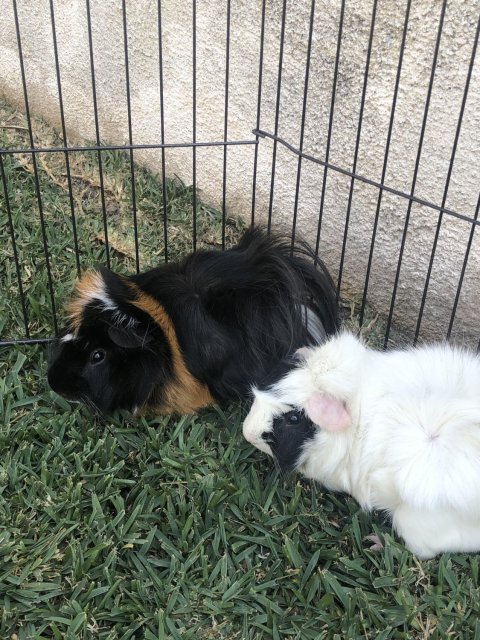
302, 353
327, 412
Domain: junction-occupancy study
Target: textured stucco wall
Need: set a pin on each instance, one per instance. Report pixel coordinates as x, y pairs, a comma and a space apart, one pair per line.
455, 51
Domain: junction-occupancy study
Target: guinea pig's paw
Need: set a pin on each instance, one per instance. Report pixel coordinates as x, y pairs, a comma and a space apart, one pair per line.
303, 354
377, 544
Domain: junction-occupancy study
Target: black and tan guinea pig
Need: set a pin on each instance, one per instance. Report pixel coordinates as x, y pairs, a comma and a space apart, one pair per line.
189, 334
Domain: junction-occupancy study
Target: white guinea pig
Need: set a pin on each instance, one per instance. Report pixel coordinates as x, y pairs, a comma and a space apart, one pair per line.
398, 430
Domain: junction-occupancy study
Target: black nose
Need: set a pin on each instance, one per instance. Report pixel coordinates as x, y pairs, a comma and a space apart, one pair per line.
64, 381
269, 437
55, 381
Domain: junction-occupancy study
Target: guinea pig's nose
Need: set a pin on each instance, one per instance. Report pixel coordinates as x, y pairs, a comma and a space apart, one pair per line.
57, 380
268, 437
54, 381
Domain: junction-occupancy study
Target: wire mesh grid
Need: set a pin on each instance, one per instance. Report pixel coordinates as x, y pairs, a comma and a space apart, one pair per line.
285, 159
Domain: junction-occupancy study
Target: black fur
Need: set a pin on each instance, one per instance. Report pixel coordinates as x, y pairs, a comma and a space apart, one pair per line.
242, 307
127, 377
290, 433
237, 314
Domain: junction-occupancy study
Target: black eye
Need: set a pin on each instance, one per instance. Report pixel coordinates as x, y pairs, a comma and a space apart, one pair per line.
293, 418
97, 356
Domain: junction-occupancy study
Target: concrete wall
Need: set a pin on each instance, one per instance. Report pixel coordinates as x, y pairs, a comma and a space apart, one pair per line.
454, 55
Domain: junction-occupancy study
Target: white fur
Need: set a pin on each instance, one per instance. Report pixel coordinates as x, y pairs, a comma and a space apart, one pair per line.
98, 292
413, 446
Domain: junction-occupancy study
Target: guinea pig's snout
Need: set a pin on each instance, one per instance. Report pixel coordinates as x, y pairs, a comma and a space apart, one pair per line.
62, 380
254, 427
56, 381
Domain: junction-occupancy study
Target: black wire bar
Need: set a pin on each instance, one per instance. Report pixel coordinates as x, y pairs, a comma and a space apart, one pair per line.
385, 162
127, 147
330, 127
28, 341
357, 145
259, 106
97, 134
162, 128
462, 273
194, 123
14, 249
130, 135
302, 126
35, 170
277, 114
64, 138
225, 124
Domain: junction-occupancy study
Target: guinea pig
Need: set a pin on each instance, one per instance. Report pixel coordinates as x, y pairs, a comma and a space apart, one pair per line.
397, 430
191, 333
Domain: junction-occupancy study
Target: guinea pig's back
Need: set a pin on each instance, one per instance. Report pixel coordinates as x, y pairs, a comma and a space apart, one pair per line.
432, 370
424, 426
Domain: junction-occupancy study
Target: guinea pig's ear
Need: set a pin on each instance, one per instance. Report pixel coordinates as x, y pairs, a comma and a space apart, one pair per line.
301, 354
327, 412
128, 338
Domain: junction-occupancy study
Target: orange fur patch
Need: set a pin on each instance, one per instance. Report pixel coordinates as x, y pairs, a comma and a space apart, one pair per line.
185, 394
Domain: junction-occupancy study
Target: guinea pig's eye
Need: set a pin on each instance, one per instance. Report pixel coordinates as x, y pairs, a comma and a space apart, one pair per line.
293, 418
97, 356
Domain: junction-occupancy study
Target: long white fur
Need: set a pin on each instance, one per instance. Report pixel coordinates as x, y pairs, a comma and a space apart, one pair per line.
413, 445
97, 292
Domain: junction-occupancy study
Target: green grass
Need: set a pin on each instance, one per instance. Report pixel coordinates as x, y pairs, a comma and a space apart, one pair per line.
167, 527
